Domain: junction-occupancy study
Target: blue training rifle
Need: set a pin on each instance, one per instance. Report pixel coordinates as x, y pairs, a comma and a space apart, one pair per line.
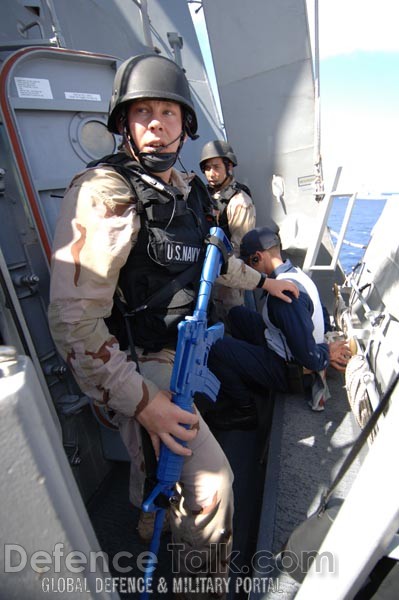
190, 375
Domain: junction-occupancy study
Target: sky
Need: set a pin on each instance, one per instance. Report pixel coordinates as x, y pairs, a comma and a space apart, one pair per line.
359, 90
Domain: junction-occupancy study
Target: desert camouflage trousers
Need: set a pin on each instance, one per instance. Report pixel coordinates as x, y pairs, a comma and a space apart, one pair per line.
201, 524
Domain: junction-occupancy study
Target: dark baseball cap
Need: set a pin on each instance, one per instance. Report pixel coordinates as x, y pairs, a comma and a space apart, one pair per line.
261, 238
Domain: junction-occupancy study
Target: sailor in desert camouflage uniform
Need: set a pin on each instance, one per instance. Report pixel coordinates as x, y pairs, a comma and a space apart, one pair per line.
235, 214
124, 225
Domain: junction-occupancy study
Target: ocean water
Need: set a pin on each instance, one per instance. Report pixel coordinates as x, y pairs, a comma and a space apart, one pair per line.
364, 215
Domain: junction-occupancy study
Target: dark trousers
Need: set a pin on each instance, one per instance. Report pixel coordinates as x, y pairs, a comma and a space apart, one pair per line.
243, 363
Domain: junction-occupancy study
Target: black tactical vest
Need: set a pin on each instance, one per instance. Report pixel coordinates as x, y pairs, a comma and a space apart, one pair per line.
222, 201
160, 278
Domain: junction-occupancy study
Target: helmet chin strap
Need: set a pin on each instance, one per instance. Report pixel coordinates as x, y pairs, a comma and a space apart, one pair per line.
155, 162
218, 186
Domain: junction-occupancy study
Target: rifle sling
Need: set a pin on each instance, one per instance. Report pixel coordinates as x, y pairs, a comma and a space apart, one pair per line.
164, 294
150, 460
213, 239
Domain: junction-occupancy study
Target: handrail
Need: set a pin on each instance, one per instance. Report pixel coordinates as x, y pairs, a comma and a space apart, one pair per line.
309, 265
313, 249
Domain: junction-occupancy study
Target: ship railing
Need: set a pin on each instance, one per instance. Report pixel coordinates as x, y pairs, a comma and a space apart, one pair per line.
375, 322
309, 265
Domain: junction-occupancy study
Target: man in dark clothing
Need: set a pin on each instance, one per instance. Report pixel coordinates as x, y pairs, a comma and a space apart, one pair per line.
263, 347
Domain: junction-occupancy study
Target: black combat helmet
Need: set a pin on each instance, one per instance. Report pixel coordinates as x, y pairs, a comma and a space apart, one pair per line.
151, 76
215, 149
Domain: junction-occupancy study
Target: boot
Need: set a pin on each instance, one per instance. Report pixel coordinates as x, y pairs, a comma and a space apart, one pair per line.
145, 526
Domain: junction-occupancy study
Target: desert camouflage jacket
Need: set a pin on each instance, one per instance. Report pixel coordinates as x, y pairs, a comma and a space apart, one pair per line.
97, 229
